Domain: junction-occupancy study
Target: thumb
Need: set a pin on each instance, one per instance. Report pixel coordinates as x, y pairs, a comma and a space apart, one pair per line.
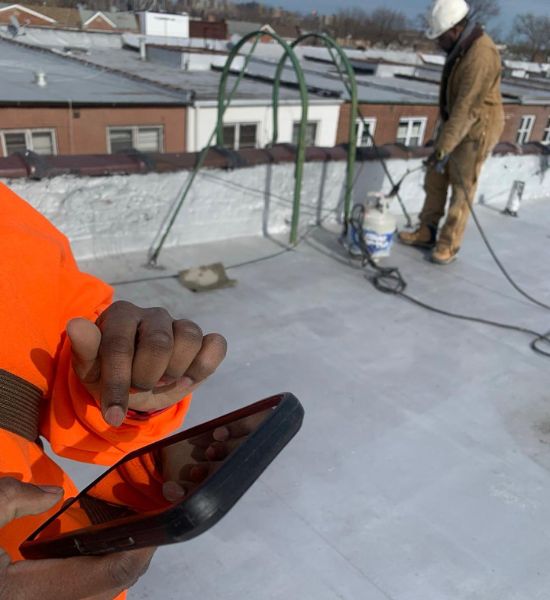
19, 499
85, 339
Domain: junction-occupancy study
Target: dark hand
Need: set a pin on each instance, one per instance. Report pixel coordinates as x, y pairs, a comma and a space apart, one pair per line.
437, 160
143, 351
187, 464
95, 578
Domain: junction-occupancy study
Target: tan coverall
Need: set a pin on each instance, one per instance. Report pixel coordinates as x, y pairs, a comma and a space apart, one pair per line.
475, 124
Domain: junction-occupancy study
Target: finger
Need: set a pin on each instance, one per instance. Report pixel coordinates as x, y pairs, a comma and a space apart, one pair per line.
85, 339
118, 328
203, 440
238, 428
154, 348
221, 450
247, 425
187, 344
221, 434
212, 353
173, 491
82, 577
19, 499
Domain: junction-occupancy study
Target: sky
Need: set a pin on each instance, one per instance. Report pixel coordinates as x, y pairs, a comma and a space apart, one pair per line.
509, 8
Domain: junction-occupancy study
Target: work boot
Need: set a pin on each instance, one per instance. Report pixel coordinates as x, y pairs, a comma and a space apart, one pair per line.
423, 236
443, 255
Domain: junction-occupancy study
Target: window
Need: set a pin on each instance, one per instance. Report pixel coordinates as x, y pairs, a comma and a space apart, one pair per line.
311, 133
411, 131
143, 139
240, 135
41, 141
365, 132
525, 129
546, 134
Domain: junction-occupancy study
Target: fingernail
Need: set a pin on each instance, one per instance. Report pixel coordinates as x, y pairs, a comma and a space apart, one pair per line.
221, 434
186, 381
51, 489
115, 416
172, 491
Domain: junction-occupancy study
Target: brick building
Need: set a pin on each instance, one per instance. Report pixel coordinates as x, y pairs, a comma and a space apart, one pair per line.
53, 17
415, 124
58, 105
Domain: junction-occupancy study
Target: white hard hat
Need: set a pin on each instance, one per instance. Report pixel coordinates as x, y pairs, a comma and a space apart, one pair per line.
444, 15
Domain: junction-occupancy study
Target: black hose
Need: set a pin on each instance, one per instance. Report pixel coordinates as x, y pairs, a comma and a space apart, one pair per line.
389, 280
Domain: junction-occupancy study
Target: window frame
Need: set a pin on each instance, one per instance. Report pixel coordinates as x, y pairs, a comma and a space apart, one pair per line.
410, 120
134, 129
522, 131
546, 134
317, 123
237, 138
371, 122
28, 138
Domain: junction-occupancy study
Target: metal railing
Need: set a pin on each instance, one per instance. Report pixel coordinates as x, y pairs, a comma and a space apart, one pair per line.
224, 100
301, 148
351, 87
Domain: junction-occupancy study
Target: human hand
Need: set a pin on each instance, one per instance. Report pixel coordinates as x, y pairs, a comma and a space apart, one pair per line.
141, 358
187, 464
437, 160
93, 578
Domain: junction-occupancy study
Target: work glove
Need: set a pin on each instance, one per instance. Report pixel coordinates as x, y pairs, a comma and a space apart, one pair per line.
438, 160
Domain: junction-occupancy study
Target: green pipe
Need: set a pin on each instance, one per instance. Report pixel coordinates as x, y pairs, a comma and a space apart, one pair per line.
154, 253
301, 150
351, 88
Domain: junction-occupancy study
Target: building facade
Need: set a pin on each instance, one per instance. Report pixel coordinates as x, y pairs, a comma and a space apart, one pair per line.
92, 130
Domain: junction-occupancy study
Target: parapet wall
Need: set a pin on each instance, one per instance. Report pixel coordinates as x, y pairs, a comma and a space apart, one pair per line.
110, 205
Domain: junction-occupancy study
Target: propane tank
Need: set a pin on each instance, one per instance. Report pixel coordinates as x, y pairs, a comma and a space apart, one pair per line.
379, 227
375, 224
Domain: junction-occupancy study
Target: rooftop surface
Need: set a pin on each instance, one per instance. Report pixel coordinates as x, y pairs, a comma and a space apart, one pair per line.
324, 78
106, 51
422, 468
204, 84
69, 80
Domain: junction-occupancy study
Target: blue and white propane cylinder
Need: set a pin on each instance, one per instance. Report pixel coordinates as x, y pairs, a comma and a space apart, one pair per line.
378, 228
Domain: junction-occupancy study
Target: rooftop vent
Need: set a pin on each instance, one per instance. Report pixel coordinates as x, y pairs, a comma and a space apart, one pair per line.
40, 79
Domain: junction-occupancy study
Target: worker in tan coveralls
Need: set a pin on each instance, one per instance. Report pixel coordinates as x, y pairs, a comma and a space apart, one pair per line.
472, 120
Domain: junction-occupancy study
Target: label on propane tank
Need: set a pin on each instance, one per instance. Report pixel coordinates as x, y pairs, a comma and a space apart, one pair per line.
378, 242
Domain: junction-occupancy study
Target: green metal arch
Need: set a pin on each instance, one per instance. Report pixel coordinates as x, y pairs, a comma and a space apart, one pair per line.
301, 150
331, 45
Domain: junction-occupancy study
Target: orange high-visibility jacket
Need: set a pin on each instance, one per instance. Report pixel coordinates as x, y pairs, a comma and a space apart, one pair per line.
41, 288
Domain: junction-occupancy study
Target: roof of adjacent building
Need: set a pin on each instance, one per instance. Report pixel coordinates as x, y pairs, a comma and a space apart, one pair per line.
202, 84
75, 18
124, 21
418, 83
63, 17
326, 82
70, 80
242, 27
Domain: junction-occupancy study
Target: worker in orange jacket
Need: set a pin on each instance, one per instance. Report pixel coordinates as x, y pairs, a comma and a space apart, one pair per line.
97, 379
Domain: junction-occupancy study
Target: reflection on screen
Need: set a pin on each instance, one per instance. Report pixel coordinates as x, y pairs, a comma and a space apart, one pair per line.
154, 480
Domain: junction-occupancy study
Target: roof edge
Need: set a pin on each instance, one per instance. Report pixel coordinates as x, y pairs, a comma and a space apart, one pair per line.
33, 166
